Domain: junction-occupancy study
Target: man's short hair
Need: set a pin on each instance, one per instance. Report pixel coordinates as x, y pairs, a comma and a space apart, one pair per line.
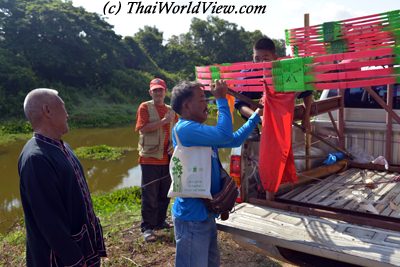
264, 43
35, 100
181, 92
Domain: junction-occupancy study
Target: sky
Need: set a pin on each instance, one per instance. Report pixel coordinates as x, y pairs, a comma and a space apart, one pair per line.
279, 14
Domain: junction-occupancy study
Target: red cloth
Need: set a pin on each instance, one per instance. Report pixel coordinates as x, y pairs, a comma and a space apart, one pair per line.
276, 163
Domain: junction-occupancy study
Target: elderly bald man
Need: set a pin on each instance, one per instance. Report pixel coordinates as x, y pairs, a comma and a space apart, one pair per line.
62, 228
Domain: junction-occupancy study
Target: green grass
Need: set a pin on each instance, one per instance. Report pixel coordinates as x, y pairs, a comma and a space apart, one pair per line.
117, 210
126, 199
101, 115
88, 114
101, 152
9, 138
11, 131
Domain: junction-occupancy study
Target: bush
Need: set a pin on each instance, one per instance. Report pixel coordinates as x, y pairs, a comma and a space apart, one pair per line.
102, 152
122, 199
16, 127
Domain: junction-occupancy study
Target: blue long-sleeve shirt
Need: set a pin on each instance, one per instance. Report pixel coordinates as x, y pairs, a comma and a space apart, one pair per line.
193, 133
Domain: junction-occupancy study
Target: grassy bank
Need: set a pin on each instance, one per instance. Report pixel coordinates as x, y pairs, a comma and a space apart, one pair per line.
119, 212
101, 115
94, 114
13, 130
102, 152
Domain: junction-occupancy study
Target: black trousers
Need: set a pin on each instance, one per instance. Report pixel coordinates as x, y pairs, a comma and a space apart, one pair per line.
155, 185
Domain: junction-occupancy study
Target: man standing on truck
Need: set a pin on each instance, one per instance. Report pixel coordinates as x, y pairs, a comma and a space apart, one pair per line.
195, 227
264, 51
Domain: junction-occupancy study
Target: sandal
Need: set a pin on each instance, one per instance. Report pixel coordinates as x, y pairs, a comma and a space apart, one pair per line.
149, 236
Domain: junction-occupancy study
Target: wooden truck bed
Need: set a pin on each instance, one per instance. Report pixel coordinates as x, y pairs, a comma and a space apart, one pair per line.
350, 216
375, 192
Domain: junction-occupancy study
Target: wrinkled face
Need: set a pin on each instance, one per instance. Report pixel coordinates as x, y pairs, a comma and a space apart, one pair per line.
197, 106
158, 95
58, 116
260, 55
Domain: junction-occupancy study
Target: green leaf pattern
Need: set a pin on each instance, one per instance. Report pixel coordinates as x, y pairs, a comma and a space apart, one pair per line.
177, 174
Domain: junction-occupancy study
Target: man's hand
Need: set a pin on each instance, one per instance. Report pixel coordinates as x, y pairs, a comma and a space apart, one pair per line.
259, 111
169, 117
219, 89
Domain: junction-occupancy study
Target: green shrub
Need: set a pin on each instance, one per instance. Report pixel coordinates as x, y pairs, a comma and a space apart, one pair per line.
15, 127
101, 152
122, 199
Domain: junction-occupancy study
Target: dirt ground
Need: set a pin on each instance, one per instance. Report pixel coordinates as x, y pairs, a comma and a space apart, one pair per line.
127, 248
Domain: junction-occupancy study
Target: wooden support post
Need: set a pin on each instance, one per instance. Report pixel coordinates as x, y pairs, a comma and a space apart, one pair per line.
382, 103
333, 123
307, 136
341, 120
269, 196
389, 124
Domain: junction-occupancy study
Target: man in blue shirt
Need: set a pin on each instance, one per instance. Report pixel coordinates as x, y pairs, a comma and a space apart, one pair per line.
195, 227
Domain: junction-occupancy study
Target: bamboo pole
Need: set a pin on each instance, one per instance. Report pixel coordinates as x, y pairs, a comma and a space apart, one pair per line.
307, 136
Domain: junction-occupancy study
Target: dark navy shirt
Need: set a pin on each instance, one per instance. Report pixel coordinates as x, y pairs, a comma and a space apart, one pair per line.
61, 227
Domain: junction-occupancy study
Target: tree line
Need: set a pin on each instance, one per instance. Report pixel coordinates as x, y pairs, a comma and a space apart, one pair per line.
51, 43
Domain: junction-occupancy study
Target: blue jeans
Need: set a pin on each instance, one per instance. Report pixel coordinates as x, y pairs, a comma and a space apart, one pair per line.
196, 243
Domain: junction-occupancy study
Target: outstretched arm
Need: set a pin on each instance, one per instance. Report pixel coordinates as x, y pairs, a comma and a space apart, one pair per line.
243, 132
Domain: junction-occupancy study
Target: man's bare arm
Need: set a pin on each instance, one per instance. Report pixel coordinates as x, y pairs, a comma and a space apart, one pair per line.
246, 111
152, 126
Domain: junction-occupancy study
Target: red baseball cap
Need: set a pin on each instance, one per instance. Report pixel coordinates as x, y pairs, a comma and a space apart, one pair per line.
158, 83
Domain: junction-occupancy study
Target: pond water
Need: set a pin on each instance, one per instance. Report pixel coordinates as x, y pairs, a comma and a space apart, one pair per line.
102, 176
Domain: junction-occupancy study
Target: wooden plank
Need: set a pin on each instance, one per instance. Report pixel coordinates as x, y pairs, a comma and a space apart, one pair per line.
313, 176
396, 202
359, 186
332, 192
334, 183
297, 190
383, 206
373, 195
318, 107
316, 188
339, 193
388, 210
379, 100
337, 198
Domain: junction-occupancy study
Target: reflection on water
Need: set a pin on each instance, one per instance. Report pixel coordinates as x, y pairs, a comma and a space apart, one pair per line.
102, 176
130, 179
13, 204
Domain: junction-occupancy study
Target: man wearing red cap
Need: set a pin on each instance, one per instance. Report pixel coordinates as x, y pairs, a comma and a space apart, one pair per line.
154, 121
